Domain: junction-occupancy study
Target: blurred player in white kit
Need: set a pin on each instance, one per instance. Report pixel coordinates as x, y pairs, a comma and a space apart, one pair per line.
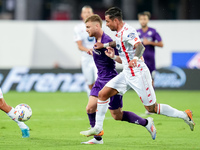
10, 112
85, 43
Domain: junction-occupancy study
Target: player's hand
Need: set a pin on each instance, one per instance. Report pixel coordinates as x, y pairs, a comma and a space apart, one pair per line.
146, 41
110, 52
98, 45
133, 63
90, 51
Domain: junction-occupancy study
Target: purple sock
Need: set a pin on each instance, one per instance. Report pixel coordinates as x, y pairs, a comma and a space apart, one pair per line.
133, 118
92, 124
92, 119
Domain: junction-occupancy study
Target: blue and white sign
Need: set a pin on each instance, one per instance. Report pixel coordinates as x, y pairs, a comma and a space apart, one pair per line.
189, 60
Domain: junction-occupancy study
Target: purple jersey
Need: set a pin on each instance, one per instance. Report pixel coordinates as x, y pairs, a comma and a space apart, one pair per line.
149, 54
106, 71
105, 65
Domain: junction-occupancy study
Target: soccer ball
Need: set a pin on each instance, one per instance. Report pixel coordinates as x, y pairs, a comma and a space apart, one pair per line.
23, 112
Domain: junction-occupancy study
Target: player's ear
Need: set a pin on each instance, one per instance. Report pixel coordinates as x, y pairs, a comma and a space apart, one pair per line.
97, 25
115, 20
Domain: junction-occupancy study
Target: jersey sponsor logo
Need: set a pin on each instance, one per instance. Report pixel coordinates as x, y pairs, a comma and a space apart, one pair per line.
119, 48
132, 36
90, 39
149, 38
96, 51
135, 39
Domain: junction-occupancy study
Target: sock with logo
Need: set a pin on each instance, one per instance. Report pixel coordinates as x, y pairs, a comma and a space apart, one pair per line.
133, 118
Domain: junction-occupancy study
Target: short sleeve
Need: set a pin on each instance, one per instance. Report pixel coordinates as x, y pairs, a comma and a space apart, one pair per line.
133, 38
157, 37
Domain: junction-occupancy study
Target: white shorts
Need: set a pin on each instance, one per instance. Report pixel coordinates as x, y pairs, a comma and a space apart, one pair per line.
1, 94
89, 69
141, 83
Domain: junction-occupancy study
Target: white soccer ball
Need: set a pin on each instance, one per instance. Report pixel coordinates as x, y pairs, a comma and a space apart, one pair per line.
23, 112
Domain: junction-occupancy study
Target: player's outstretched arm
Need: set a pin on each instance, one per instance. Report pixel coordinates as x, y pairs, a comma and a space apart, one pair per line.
138, 53
111, 53
99, 45
81, 47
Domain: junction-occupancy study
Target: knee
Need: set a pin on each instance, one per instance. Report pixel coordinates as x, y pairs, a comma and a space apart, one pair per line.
102, 96
90, 110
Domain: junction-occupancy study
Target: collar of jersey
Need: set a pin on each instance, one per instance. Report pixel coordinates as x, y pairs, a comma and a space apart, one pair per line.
121, 28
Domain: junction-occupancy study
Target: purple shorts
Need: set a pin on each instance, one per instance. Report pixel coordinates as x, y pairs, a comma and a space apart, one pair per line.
115, 101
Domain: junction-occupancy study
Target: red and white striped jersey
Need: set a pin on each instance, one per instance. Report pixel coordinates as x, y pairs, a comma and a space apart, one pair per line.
126, 39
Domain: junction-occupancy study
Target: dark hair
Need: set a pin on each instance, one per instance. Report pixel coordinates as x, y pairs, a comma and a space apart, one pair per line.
114, 12
145, 13
94, 18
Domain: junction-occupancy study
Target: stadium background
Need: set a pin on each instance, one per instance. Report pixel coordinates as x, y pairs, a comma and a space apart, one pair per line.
40, 66
39, 35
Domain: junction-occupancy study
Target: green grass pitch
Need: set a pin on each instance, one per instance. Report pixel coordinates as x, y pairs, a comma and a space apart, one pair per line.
59, 117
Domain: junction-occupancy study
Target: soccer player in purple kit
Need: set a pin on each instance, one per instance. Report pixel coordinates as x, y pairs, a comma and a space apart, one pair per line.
106, 71
150, 38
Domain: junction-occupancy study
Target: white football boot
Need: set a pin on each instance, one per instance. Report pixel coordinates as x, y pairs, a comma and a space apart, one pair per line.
151, 128
92, 131
93, 141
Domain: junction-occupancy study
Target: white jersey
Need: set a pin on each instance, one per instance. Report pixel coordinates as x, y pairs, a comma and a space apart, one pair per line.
80, 34
126, 39
87, 62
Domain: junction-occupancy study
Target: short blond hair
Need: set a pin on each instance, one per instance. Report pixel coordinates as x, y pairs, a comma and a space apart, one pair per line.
94, 18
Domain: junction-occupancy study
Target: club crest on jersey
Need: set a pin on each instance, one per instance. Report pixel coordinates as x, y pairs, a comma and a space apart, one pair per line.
90, 39
132, 35
96, 52
150, 33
